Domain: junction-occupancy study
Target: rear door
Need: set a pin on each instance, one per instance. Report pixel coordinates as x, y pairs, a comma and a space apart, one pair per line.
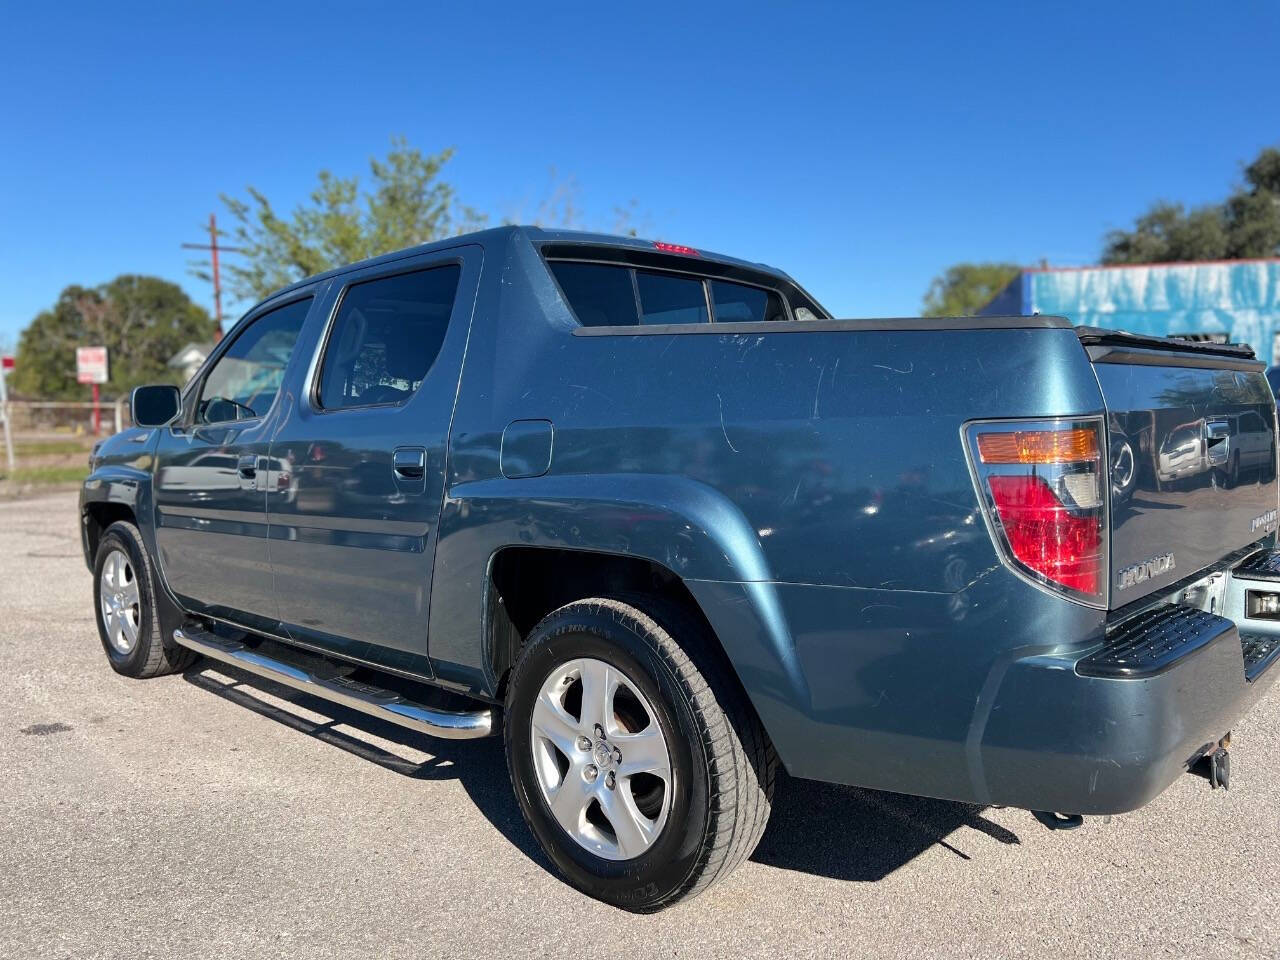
211, 472
360, 460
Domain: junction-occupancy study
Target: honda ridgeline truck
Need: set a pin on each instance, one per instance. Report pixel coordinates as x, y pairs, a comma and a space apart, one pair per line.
657, 518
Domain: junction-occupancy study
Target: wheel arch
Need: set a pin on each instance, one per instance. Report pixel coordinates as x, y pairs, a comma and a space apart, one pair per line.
98, 517
525, 583
607, 534
114, 494
109, 496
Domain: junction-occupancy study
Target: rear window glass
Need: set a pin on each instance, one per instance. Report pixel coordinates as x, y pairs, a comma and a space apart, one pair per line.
605, 295
665, 298
738, 303
600, 296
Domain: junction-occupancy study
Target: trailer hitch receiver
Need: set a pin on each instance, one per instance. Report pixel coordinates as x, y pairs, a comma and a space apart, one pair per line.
1215, 764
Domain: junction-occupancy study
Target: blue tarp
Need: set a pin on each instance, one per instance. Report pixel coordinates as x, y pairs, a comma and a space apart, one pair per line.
1240, 299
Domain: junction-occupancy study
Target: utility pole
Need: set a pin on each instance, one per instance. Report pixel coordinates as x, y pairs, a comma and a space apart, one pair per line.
213, 247
4, 417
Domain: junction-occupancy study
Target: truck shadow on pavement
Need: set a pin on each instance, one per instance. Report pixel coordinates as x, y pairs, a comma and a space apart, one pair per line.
844, 833
848, 833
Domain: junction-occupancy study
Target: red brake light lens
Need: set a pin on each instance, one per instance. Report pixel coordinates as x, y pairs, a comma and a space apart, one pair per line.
1045, 498
676, 248
1046, 536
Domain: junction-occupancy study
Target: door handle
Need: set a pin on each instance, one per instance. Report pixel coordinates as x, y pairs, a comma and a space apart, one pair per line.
409, 463
247, 468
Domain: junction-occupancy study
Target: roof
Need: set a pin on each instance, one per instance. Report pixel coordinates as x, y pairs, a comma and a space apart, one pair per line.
536, 235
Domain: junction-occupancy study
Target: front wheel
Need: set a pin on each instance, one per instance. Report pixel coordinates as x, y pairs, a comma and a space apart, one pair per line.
637, 762
124, 598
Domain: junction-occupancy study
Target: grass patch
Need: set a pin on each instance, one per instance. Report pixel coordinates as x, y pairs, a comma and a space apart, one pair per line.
51, 448
44, 476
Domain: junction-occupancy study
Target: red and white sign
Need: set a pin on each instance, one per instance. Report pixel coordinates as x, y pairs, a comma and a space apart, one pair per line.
91, 365
6, 362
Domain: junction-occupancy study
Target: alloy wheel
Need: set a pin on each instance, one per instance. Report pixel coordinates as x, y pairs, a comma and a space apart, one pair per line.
601, 759
120, 601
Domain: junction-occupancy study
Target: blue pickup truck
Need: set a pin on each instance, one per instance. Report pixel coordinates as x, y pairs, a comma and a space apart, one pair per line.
661, 521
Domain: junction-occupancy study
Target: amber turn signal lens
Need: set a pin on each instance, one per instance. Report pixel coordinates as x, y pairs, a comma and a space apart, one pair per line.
1039, 446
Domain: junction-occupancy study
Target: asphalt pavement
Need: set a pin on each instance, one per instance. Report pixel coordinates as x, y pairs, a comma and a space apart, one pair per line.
216, 815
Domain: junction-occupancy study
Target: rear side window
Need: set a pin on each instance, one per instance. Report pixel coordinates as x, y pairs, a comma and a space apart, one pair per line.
600, 296
666, 298
386, 336
739, 303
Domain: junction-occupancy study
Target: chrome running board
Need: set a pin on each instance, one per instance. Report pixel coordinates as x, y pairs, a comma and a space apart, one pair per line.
367, 698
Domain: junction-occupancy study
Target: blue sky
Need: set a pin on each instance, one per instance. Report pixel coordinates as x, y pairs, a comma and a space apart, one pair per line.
862, 147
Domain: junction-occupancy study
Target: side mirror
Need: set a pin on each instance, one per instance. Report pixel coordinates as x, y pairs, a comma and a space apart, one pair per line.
155, 405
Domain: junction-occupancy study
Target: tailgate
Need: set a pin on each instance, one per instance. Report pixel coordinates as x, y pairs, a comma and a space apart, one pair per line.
1192, 453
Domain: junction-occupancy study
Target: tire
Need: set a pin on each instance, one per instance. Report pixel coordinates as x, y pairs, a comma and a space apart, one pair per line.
132, 639
722, 766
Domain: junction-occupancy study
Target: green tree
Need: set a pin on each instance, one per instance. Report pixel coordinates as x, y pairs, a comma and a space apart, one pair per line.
142, 321
1168, 234
1246, 224
966, 288
405, 203
1253, 211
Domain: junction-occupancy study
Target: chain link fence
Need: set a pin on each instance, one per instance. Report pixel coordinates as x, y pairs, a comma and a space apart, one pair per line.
48, 442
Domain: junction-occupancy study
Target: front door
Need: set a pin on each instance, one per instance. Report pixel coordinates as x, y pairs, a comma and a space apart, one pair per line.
352, 543
212, 471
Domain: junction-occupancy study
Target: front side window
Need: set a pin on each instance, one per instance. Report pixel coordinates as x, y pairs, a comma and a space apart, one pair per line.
244, 381
386, 337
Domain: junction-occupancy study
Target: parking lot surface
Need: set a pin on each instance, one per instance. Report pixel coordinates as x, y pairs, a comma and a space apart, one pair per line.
216, 815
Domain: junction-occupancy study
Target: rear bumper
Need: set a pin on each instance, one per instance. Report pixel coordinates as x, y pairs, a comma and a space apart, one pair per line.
985, 696
1108, 731
1062, 737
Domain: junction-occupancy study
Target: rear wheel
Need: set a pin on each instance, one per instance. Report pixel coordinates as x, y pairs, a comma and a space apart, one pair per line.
124, 600
636, 761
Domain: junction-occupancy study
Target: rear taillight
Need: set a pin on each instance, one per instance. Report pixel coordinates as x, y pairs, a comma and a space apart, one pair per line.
1041, 487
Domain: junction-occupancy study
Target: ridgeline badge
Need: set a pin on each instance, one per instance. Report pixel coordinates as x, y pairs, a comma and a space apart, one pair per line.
1139, 572
1265, 522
